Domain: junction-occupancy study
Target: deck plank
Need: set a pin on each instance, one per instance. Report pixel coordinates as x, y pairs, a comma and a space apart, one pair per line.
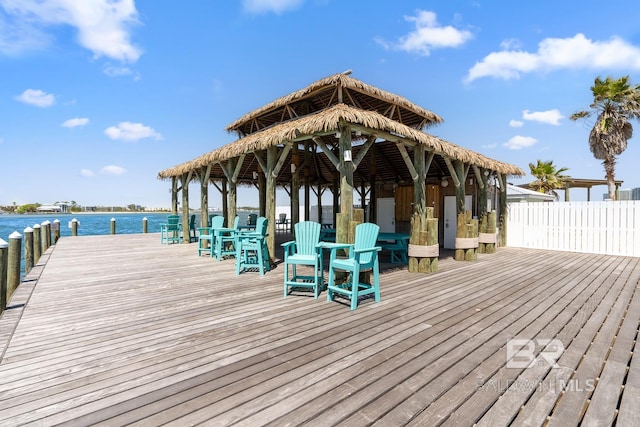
122, 330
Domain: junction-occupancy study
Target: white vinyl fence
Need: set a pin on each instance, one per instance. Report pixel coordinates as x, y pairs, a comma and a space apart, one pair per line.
611, 228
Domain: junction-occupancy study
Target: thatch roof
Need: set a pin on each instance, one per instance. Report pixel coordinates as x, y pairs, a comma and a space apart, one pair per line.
324, 93
325, 123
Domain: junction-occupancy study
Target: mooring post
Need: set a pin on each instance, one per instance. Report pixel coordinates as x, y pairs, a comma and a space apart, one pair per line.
113, 226
144, 224
4, 260
46, 237
15, 252
74, 227
28, 249
56, 231
37, 243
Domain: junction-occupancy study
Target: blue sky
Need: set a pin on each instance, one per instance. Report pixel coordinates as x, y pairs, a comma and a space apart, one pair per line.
98, 96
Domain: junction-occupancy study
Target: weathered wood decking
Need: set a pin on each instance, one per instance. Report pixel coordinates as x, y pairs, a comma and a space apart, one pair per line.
122, 330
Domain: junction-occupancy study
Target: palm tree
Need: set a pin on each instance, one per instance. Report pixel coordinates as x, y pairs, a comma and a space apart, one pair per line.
615, 102
548, 178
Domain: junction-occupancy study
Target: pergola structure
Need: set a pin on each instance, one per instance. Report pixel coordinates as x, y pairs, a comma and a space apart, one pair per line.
337, 133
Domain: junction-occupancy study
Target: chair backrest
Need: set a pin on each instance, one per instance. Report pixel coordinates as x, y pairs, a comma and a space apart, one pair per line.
172, 222
366, 236
217, 221
261, 225
236, 222
251, 220
307, 237
282, 218
192, 222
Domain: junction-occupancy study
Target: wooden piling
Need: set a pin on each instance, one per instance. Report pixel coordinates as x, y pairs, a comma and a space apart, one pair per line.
43, 237
55, 227
490, 248
37, 243
144, 224
4, 261
113, 226
28, 249
13, 266
74, 227
47, 234
424, 234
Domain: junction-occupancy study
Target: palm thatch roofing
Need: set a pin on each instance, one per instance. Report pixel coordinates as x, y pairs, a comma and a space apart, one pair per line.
313, 115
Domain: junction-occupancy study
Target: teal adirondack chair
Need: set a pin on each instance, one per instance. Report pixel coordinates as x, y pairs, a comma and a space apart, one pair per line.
363, 256
225, 240
251, 249
303, 251
206, 236
171, 231
193, 236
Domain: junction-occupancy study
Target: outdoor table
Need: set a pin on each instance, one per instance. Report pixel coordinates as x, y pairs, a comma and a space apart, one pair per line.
400, 245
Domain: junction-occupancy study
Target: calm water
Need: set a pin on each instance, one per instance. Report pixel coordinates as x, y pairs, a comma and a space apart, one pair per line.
91, 224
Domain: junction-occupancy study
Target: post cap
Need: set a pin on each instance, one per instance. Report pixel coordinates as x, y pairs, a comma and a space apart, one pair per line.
15, 235
3, 244
28, 230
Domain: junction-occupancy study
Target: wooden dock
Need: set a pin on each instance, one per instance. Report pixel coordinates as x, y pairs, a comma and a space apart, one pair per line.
121, 330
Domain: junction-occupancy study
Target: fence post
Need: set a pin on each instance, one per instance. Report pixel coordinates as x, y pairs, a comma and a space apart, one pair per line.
15, 252
74, 227
37, 243
113, 226
28, 249
56, 230
4, 260
144, 224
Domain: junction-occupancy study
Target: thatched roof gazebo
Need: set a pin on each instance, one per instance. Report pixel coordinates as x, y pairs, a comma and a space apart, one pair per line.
336, 133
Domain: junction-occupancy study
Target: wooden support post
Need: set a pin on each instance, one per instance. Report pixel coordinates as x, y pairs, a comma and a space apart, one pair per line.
56, 230
482, 229
461, 232
4, 263
502, 238
490, 248
295, 187
225, 197
74, 228
13, 273
113, 226
37, 243
184, 181
270, 206
174, 195
204, 175
43, 237
307, 182
46, 227
145, 222
471, 254
319, 194
28, 249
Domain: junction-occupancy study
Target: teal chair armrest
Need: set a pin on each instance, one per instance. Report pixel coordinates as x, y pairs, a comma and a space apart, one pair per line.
374, 249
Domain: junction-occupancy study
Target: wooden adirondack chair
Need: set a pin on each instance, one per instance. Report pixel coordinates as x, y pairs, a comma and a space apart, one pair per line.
206, 236
171, 231
251, 249
303, 251
363, 256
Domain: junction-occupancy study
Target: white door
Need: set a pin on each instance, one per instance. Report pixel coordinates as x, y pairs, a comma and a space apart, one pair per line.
451, 219
386, 211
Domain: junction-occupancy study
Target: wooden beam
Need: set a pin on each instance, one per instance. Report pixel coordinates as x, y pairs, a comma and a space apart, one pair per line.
282, 157
263, 165
408, 162
363, 151
236, 172
479, 176
332, 158
452, 171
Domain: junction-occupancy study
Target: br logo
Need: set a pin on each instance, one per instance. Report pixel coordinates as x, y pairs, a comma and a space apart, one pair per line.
521, 352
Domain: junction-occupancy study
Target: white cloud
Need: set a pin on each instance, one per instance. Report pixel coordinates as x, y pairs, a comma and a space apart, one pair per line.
113, 170
519, 142
493, 145
76, 122
103, 26
551, 117
275, 6
577, 52
113, 71
428, 35
516, 123
36, 97
128, 131
86, 172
